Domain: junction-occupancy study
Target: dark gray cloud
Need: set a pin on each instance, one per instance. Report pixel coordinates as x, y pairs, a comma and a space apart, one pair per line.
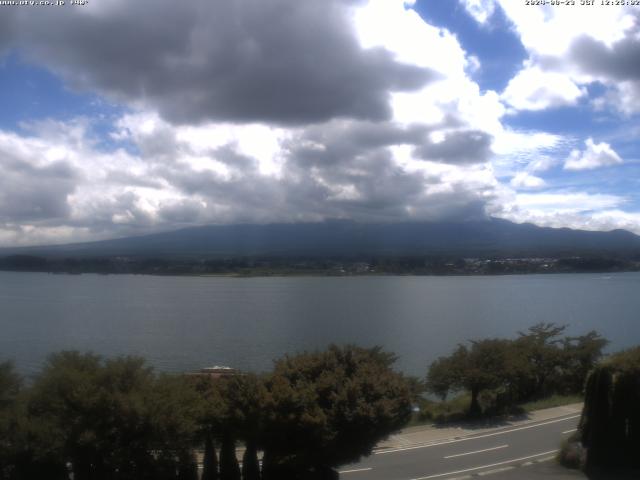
340, 141
620, 62
458, 147
339, 170
279, 61
30, 193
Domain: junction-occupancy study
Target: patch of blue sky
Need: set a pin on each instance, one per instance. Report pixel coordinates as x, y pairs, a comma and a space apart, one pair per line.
620, 181
580, 120
29, 93
495, 44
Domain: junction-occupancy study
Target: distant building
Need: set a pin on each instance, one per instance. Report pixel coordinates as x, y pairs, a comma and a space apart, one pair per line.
214, 372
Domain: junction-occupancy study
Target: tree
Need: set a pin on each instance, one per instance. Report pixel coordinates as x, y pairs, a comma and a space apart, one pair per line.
328, 408
483, 366
610, 423
210, 461
188, 466
10, 386
540, 347
244, 396
108, 416
441, 376
580, 355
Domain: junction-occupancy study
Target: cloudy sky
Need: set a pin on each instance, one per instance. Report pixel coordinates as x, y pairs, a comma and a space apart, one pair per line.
123, 117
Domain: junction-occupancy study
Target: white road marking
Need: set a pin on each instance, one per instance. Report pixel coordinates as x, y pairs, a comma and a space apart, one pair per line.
477, 451
484, 466
355, 470
569, 431
466, 439
495, 470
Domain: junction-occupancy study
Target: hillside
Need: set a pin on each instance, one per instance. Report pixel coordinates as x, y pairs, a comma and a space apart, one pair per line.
493, 237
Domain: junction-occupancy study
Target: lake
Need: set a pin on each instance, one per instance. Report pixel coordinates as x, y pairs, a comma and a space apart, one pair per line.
184, 323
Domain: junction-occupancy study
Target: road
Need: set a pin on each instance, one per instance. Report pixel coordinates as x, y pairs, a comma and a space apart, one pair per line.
494, 451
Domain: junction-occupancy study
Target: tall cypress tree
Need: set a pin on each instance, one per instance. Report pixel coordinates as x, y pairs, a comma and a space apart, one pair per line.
610, 424
187, 466
250, 465
229, 468
210, 461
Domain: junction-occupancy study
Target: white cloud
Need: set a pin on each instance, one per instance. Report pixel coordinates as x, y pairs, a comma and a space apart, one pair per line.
570, 48
535, 89
593, 156
567, 202
570, 209
480, 10
525, 180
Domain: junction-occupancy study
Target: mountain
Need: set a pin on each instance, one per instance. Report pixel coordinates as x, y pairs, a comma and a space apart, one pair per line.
348, 239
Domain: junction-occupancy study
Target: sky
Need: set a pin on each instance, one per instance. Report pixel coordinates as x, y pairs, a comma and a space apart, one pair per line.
123, 117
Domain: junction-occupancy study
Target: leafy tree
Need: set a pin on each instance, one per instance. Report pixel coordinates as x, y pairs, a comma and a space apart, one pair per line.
483, 366
113, 418
443, 375
328, 408
580, 355
544, 357
10, 385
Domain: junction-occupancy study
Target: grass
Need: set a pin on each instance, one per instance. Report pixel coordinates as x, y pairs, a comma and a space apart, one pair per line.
456, 408
552, 401
441, 412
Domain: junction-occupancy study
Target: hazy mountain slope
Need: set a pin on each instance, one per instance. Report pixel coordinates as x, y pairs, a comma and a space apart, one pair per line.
346, 238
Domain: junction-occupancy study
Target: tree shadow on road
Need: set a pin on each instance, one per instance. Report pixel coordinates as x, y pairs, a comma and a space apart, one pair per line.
484, 422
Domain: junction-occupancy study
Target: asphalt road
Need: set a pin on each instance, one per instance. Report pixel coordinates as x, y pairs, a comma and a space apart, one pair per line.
490, 452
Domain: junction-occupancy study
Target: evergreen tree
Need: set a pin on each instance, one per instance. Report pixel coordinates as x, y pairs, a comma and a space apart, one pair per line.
187, 466
250, 464
210, 460
229, 468
610, 423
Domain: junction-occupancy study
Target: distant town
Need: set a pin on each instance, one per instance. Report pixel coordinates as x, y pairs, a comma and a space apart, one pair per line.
338, 266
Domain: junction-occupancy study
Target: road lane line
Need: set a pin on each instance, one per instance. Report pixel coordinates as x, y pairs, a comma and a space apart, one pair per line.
484, 466
569, 431
466, 439
355, 470
477, 451
495, 470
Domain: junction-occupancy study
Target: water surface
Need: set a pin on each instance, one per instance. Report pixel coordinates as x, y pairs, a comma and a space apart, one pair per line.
183, 323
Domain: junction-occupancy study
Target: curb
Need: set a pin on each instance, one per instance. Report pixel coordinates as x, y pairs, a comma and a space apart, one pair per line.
469, 434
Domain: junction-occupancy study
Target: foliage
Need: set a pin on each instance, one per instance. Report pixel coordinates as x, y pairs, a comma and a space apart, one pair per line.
610, 423
538, 364
111, 418
210, 460
229, 468
328, 408
482, 366
10, 385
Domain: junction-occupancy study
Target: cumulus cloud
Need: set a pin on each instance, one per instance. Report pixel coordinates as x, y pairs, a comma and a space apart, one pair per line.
35, 182
466, 146
535, 89
241, 61
593, 156
572, 48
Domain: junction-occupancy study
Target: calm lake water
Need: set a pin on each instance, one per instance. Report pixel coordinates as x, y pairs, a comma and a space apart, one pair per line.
183, 323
